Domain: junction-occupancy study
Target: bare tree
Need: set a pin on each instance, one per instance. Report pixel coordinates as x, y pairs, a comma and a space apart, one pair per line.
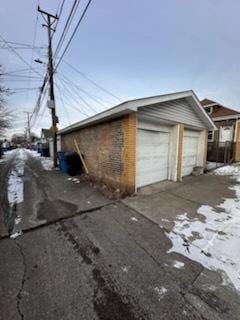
5, 114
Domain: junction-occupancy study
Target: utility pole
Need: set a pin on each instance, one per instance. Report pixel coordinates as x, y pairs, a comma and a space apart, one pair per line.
28, 125
51, 104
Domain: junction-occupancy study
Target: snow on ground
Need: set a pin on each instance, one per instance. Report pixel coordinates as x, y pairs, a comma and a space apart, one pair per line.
15, 181
160, 292
47, 163
178, 264
213, 165
214, 241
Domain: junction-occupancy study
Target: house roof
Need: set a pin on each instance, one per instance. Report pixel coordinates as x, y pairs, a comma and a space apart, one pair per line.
47, 133
208, 103
133, 106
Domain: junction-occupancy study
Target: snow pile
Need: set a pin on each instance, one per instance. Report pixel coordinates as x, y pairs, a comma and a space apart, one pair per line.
32, 153
47, 163
233, 170
7, 155
213, 240
15, 181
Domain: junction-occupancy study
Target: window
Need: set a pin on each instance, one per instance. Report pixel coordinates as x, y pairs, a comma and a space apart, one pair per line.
209, 110
210, 135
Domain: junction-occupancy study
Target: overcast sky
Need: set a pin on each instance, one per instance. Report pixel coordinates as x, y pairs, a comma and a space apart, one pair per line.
132, 48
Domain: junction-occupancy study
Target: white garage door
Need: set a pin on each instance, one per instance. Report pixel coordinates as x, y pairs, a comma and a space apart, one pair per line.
190, 151
152, 156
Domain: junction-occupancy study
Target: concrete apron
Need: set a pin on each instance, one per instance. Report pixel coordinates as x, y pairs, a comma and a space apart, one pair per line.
163, 202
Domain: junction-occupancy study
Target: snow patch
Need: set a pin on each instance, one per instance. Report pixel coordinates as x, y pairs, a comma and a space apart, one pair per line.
215, 241
16, 234
15, 181
125, 269
160, 292
178, 264
134, 219
47, 163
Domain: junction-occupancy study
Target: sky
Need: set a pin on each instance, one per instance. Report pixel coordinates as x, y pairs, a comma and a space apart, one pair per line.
131, 48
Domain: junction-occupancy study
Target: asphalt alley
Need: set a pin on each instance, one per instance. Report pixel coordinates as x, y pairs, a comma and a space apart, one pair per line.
83, 256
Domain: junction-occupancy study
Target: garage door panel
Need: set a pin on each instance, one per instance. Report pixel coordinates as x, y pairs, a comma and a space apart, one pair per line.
190, 151
152, 150
152, 156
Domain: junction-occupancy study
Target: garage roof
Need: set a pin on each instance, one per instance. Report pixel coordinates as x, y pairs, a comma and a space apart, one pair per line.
133, 106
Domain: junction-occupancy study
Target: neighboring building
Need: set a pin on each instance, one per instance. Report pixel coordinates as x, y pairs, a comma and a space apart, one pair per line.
143, 141
223, 143
47, 142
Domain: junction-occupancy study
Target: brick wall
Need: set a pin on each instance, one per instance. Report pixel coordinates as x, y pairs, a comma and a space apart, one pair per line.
109, 151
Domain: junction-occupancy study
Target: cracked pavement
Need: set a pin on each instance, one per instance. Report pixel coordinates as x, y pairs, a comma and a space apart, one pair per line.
82, 256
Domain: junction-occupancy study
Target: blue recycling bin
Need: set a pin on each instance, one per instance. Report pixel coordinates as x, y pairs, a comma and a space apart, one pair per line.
62, 162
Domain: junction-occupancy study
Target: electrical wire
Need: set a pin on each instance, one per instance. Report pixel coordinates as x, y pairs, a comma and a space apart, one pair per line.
70, 103
92, 81
63, 78
73, 34
19, 56
90, 95
66, 27
63, 105
74, 94
59, 16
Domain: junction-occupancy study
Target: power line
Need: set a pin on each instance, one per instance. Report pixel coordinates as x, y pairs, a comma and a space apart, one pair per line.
18, 55
89, 94
73, 34
63, 105
17, 71
67, 25
71, 91
92, 81
25, 45
59, 15
77, 93
73, 106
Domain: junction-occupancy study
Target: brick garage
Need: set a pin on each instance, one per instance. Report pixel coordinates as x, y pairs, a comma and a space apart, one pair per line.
143, 141
109, 150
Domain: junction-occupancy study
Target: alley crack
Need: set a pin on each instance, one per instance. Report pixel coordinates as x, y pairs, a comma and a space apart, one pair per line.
19, 295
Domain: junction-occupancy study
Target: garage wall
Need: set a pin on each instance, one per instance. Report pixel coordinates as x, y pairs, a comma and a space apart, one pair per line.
178, 111
109, 151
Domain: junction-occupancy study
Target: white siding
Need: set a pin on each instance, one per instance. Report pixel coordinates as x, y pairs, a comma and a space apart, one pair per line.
178, 111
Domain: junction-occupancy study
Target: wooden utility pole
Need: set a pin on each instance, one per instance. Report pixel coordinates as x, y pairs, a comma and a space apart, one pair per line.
50, 21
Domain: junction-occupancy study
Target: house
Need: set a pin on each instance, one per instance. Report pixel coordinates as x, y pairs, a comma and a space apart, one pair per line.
143, 141
223, 143
47, 142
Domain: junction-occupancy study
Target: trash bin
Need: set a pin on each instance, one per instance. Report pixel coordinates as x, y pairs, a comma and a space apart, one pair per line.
62, 162
74, 163
45, 152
